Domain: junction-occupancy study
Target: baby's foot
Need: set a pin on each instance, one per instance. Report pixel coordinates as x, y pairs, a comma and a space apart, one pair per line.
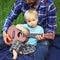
14, 58
20, 52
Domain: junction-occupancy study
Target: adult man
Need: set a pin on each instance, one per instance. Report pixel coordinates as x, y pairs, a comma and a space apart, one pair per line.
47, 19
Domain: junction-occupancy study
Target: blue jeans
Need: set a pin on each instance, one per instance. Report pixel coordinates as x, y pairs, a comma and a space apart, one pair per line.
40, 53
2, 44
42, 50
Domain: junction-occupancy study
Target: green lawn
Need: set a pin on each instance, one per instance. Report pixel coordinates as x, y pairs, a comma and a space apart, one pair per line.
6, 5
57, 3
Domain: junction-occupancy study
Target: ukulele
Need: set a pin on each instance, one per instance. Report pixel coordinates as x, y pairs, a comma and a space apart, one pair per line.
14, 34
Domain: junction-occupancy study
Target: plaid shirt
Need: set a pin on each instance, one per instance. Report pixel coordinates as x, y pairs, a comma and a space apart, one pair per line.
46, 14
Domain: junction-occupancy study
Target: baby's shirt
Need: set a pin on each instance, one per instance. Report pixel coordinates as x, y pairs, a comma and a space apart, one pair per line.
37, 30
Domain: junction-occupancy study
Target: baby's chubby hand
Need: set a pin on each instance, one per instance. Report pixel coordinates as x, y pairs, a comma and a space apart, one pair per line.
40, 37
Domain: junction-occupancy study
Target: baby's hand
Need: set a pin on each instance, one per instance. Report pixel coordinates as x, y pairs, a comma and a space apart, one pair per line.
40, 37
18, 26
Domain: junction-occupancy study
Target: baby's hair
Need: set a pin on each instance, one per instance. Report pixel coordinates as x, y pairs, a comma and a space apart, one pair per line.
30, 13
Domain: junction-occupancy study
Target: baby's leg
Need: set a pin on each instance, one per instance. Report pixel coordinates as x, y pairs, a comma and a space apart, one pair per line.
14, 55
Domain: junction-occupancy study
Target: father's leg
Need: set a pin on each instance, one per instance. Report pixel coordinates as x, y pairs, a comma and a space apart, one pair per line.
2, 44
42, 50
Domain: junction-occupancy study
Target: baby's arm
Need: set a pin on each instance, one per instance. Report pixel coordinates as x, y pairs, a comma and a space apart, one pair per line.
24, 30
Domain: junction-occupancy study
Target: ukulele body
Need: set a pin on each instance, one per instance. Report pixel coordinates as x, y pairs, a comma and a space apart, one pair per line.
16, 34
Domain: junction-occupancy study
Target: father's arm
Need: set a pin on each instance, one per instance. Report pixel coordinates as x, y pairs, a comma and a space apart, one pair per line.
51, 22
15, 11
12, 15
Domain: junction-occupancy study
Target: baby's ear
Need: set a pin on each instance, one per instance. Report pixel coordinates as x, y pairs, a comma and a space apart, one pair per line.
36, 18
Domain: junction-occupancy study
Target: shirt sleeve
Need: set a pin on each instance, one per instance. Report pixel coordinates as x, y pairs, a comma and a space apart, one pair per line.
42, 30
12, 15
51, 18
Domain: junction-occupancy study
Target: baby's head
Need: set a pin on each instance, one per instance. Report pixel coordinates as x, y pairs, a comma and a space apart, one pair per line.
31, 17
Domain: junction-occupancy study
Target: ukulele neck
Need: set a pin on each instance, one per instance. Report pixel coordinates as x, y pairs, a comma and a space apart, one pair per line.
32, 35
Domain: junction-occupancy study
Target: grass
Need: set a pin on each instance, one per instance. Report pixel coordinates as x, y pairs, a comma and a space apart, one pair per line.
6, 5
57, 3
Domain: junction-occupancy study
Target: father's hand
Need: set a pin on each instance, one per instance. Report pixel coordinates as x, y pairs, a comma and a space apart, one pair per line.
6, 38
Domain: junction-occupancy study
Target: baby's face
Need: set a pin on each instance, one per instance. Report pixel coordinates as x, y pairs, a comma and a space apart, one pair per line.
32, 22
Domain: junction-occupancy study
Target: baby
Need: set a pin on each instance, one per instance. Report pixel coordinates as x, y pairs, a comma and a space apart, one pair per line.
27, 47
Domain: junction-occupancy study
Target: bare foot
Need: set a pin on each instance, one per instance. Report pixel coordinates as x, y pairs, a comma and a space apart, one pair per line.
20, 52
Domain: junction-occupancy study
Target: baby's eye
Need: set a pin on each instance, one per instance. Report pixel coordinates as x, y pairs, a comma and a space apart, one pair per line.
33, 19
29, 21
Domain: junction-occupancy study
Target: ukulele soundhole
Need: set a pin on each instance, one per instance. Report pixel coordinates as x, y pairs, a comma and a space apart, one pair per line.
19, 33
13, 34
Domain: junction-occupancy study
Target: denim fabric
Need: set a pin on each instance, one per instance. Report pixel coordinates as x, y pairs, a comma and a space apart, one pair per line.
40, 53
2, 44
42, 50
